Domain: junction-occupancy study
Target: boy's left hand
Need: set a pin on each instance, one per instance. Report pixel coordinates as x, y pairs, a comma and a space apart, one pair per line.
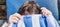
46, 12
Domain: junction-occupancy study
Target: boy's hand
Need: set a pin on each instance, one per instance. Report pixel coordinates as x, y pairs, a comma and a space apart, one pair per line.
46, 12
14, 18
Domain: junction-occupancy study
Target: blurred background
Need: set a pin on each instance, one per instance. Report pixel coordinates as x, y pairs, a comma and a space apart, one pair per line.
3, 14
2, 9
59, 10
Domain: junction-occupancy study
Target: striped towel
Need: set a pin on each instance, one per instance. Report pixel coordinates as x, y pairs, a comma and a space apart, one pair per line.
36, 21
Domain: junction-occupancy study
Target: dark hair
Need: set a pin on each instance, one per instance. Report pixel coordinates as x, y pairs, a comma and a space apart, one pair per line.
31, 5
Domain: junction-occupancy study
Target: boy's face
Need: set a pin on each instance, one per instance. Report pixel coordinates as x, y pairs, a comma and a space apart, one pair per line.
31, 11
29, 8
26, 13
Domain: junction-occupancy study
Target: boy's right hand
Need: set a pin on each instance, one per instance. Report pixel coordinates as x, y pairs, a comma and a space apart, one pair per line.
14, 18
